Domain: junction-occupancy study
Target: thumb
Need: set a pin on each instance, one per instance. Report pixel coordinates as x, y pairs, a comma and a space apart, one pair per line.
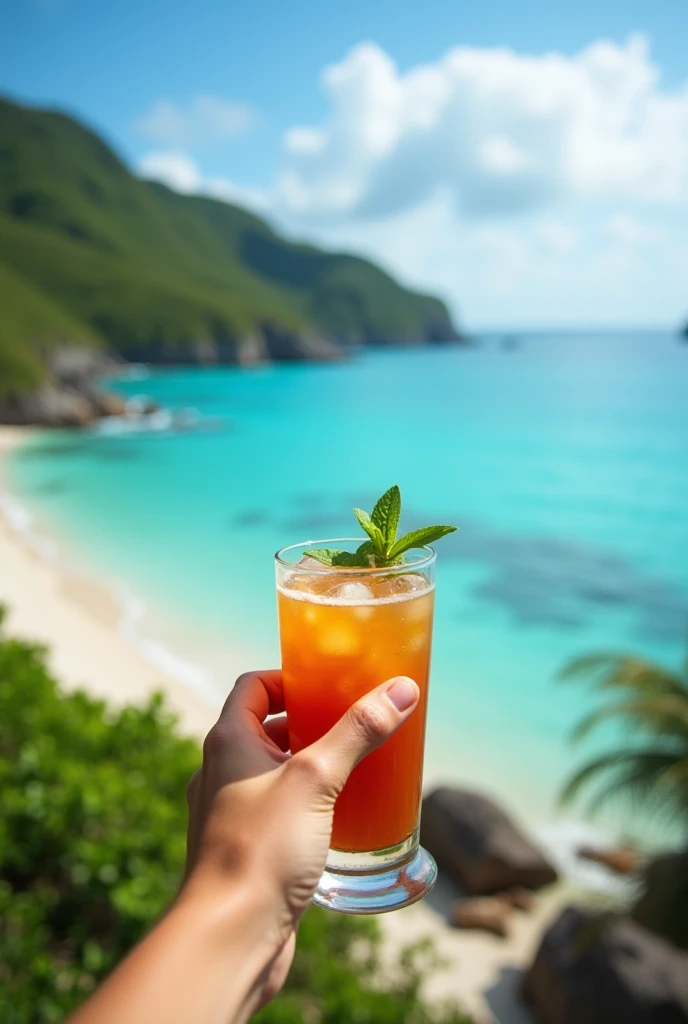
365, 726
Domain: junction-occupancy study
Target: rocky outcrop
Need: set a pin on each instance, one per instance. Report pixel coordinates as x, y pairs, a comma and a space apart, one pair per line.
622, 860
663, 904
49, 406
484, 913
477, 843
299, 345
68, 398
606, 971
269, 344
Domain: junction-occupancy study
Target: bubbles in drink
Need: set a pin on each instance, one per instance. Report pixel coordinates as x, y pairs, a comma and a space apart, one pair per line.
359, 590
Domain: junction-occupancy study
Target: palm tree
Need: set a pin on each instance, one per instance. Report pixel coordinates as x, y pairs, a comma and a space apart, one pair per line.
651, 702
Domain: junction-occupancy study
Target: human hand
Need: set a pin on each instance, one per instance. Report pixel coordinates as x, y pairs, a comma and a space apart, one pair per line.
260, 818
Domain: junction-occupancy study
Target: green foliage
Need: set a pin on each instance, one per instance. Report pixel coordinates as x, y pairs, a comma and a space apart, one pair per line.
336, 978
26, 312
160, 276
649, 771
652, 704
92, 833
383, 548
92, 838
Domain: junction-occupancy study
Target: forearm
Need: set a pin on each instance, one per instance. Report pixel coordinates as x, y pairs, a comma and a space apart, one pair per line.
202, 963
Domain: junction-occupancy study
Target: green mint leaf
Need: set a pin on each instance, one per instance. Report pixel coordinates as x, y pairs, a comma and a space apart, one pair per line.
418, 538
373, 531
386, 514
382, 549
346, 559
366, 553
324, 555
349, 560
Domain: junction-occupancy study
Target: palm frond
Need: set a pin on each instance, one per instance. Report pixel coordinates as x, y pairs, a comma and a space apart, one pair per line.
591, 770
625, 671
631, 773
590, 664
649, 700
644, 783
663, 714
679, 772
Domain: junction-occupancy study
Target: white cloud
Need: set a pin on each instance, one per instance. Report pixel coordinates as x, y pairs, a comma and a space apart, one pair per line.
501, 156
177, 170
630, 230
203, 120
499, 131
181, 173
558, 235
527, 190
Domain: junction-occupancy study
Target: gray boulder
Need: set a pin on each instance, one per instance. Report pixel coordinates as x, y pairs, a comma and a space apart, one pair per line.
663, 903
606, 971
479, 845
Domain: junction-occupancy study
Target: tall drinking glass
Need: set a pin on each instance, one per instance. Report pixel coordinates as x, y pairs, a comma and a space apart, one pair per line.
344, 631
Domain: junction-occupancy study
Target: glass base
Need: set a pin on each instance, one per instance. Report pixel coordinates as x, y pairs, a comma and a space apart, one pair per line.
374, 883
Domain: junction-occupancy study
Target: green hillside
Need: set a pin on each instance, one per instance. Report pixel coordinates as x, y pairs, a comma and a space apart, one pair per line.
91, 254
25, 314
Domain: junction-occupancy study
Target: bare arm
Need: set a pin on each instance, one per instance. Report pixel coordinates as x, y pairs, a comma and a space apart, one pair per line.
259, 830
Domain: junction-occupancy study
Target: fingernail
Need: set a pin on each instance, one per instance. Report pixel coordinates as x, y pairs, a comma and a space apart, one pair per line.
403, 693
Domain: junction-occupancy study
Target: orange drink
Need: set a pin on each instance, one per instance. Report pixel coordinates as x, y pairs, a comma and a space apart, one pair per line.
343, 631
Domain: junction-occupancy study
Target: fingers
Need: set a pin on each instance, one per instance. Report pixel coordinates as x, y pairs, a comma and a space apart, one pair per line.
365, 726
193, 826
255, 696
277, 731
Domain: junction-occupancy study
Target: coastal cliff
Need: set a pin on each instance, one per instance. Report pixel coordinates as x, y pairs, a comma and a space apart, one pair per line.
93, 258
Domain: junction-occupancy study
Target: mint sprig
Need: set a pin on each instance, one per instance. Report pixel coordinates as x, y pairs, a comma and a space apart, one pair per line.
382, 548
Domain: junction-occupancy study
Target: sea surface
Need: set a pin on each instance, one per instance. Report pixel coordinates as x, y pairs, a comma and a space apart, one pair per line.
563, 458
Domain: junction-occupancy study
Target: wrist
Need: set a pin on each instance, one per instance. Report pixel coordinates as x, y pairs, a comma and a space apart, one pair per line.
234, 912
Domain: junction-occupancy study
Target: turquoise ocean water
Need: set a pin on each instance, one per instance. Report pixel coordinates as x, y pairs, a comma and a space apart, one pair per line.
564, 462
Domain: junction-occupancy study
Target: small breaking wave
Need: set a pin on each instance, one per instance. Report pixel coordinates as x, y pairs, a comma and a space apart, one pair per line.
191, 675
133, 609
564, 838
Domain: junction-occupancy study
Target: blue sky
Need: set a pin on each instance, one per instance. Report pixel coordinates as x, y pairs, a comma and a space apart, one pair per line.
527, 161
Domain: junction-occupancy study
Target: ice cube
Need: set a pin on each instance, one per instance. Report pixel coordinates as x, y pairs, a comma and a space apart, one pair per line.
339, 641
353, 593
306, 562
416, 641
409, 583
290, 581
398, 586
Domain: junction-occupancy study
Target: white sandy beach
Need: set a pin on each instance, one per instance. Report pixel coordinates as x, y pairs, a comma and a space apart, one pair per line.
79, 620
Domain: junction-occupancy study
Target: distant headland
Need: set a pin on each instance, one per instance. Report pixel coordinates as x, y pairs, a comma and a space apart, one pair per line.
98, 266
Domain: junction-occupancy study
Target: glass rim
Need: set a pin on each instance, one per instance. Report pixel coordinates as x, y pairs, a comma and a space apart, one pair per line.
420, 563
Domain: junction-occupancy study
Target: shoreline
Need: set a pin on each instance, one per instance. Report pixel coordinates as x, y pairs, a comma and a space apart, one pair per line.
91, 635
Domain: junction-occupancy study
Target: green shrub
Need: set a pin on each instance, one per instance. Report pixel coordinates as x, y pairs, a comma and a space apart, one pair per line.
92, 838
